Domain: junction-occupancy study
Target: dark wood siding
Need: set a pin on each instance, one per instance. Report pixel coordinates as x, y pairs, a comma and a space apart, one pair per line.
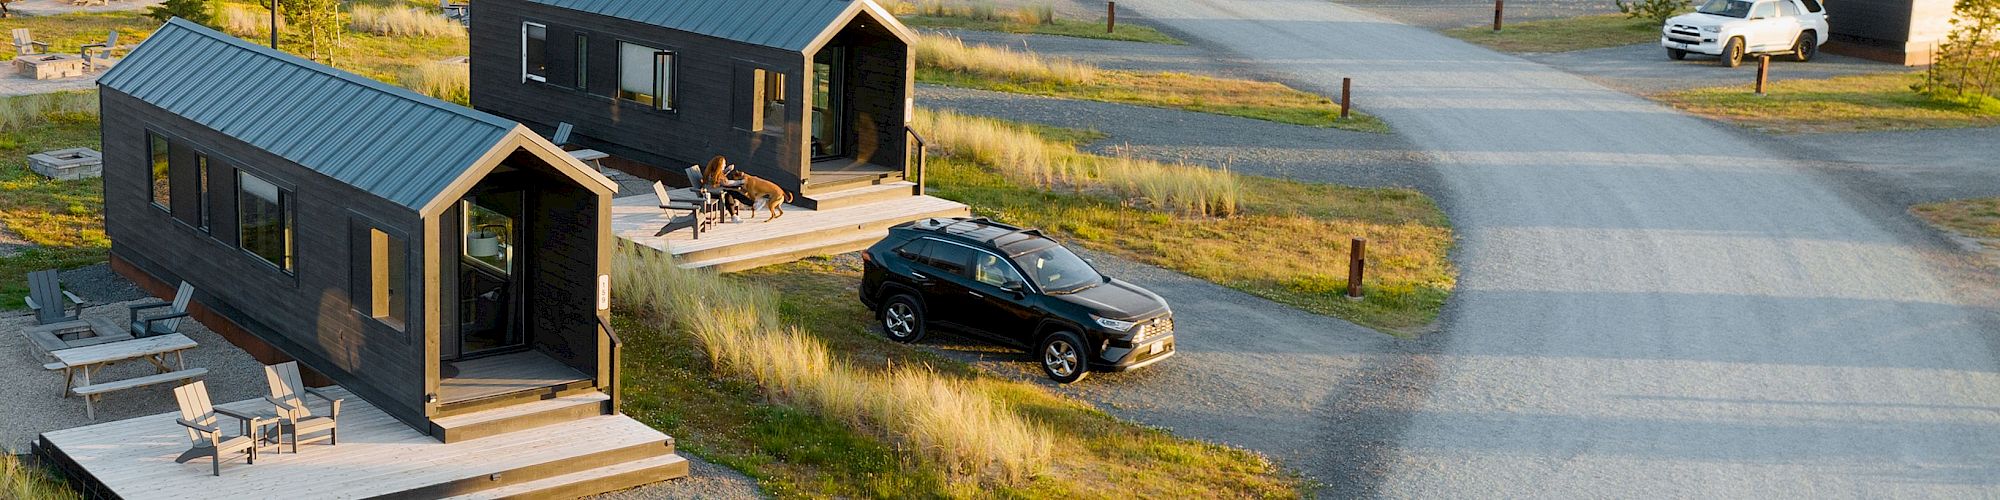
706, 86
879, 83
307, 314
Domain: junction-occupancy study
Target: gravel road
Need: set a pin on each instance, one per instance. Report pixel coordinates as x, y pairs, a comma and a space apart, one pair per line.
1651, 304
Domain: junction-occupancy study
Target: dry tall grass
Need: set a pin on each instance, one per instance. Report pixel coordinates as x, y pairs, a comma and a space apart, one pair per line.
443, 80
943, 420
403, 21
1041, 13
1025, 157
247, 20
949, 53
21, 111
19, 481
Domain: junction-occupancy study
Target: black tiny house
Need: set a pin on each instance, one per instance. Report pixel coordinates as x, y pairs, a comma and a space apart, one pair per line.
432, 259
811, 94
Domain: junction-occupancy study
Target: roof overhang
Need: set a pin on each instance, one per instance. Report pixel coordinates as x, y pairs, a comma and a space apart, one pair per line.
520, 139
860, 8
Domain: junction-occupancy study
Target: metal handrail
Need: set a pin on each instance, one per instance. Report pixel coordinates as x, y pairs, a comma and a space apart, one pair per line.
617, 359
922, 155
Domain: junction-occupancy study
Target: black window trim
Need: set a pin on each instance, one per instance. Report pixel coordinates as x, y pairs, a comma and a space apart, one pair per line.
581, 47
666, 95
152, 185
284, 188
413, 297
1029, 285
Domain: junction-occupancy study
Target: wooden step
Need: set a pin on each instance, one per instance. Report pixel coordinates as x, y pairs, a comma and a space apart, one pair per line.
519, 417
847, 181
858, 196
618, 439
594, 481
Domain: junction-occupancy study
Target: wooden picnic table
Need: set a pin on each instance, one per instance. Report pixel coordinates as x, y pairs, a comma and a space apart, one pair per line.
82, 362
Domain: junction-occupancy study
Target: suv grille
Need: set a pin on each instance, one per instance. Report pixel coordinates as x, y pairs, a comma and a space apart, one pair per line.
1684, 34
1155, 328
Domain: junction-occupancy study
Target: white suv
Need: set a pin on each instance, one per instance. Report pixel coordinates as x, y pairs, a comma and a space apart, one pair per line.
1735, 28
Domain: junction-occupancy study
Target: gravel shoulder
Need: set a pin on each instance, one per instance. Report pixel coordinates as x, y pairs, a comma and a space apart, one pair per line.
1645, 69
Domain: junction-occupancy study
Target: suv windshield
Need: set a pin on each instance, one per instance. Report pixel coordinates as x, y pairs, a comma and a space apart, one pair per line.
1058, 271
1731, 8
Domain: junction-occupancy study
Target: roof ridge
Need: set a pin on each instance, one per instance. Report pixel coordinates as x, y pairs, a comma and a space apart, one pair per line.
371, 83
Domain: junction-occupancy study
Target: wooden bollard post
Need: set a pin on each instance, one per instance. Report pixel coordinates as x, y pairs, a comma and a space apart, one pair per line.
1357, 259
1763, 72
1346, 96
1499, 6
1110, 17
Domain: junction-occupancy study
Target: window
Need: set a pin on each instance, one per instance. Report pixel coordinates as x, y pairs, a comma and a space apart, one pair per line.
1787, 9
201, 188
534, 56
1764, 10
264, 219
993, 270
1812, 5
948, 257
582, 61
489, 231
156, 147
388, 274
771, 101
645, 75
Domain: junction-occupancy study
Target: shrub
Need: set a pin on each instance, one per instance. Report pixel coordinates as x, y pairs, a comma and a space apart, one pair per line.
403, 21
21, 481
199, 11
21, 111
948, 53
1967, 66
246, 20
1025, 157
1657, 11
443, 80
944, 420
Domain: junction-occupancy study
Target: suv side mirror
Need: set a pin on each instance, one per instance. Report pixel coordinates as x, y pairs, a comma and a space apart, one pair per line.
1014, 286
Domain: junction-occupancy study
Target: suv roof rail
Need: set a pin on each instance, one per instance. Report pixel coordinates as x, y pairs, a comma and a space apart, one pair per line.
974, 220
1036, 232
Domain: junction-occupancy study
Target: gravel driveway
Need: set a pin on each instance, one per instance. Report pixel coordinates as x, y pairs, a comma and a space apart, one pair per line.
1651, 304
1645, 69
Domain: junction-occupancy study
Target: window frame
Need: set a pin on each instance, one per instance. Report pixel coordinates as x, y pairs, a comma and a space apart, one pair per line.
159, 162
202, 210
288, 218
527, 76
385, 291
665, 73
762, 117
582, 49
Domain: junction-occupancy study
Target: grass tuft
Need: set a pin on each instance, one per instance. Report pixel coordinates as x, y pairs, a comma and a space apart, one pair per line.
18, 480
245, 20
443, 80
1562, 35
949, 53
1026, 158
1038, 19
403, 22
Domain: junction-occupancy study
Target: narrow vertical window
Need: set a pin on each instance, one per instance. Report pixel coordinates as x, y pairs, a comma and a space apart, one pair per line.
201, 188
772, 109
156, 177
534, 57
645, 75
582, 62
264, 220
388, 272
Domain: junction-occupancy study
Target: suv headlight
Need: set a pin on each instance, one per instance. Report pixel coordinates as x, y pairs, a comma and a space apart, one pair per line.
1711, 29
1112, 323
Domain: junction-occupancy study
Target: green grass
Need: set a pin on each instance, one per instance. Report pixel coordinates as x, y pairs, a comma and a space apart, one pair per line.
1842, 104
1061, 27
63, 219
793, 453
67, 33
21, 481
1562, 35
1286, 241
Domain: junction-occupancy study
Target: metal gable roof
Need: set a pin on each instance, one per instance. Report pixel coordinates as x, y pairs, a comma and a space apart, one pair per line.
783, 24
394, 143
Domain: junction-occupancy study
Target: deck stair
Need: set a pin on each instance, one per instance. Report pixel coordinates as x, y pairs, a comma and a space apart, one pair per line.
852, 220
519, 417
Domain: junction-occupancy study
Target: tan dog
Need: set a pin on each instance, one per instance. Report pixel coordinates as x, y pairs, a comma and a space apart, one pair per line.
760, 190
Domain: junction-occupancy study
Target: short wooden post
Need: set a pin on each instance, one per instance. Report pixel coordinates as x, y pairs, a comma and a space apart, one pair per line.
1763, 72
1110, 17
1357, 259
1498, 7
1346, 95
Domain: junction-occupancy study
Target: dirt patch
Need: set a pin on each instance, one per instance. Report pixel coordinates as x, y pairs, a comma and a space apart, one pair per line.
11, 244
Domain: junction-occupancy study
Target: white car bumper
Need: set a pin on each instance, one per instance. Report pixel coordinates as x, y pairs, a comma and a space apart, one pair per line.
1706, 44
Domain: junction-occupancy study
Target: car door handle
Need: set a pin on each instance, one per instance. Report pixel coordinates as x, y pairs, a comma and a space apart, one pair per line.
919, 276
976, 294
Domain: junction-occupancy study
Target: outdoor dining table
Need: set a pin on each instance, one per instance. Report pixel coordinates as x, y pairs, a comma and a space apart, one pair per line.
90, 359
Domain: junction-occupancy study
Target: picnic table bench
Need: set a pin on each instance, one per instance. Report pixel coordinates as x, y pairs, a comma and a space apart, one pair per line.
81, 362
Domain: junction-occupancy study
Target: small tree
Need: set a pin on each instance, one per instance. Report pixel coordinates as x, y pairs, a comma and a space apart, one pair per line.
199, 11
1966, 67
318, 25
1656, 10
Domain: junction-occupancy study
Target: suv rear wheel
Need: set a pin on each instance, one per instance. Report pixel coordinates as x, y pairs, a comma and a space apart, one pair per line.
902, 319
1806, 47
1732, 53
1063, 358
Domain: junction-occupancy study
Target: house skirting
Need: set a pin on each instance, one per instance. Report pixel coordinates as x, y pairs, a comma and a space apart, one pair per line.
264, 352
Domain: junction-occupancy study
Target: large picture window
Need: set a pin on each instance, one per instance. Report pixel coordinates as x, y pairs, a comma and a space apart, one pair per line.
156, 149
264, 219
645, 75
534, 53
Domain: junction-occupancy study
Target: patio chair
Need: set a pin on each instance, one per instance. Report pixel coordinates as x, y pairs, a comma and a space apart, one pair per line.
49, 301
93, 53
702, 211
170, 322
294, 417
205, 437
25, 44
458, 11
561, 137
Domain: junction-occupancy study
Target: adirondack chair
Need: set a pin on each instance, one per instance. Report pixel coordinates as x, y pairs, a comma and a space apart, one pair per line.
699, 216
93, 53
294, 417
205, 436
25, 44
563, 130
50, 302
170, 322
459, 11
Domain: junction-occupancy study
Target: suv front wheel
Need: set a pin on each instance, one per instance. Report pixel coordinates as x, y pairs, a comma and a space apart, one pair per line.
1063, 358
903, 319
1732, 53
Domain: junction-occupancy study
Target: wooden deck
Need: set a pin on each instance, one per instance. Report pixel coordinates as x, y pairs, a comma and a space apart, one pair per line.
755, 242
377, 456
504, 374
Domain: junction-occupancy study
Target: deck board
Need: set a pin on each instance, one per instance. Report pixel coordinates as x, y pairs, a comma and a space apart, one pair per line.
377, 455
638, 218
503, 374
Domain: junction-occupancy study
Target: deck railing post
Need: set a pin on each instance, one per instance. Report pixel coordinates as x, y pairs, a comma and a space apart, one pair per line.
923, 157
617, 358
1110, 17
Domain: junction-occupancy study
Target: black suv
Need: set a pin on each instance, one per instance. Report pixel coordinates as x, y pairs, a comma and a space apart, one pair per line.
1017, 287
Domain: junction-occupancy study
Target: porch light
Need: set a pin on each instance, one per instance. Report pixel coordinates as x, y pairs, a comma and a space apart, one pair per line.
483, 242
